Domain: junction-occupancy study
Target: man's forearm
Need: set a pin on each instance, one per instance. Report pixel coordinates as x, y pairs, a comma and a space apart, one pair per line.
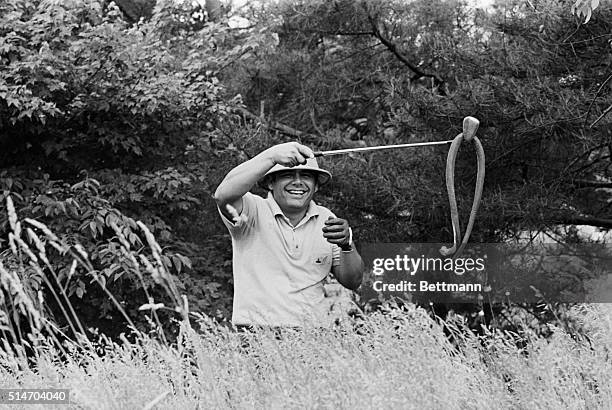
349, 272
242, 178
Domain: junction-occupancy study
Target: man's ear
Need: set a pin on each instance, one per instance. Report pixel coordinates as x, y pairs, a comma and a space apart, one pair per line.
268, 182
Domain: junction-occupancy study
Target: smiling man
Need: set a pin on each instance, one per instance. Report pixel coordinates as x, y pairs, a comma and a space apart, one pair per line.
284, 246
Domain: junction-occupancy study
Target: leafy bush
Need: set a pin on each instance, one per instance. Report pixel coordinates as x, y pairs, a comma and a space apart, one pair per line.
103, 123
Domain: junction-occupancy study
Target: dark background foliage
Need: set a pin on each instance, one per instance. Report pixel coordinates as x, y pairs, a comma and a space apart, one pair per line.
115, 113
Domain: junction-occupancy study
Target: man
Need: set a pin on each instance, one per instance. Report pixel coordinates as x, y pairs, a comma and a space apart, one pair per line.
284, 246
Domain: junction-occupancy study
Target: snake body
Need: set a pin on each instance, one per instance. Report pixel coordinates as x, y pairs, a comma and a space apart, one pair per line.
458, 244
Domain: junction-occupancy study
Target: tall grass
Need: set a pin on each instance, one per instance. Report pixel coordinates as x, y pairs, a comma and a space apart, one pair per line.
399, 358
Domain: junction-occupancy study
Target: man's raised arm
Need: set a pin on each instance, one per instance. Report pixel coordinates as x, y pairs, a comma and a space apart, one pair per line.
242, 178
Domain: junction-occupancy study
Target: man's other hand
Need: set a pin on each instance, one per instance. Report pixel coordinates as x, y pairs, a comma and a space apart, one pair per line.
336, 231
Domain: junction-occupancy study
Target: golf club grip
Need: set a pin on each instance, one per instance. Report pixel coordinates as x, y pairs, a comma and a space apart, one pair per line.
318, 154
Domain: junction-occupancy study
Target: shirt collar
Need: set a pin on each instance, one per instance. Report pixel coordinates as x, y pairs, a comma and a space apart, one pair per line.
313, 208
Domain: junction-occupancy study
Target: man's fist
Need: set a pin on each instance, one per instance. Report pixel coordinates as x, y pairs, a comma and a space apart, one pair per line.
290, 154
336, 230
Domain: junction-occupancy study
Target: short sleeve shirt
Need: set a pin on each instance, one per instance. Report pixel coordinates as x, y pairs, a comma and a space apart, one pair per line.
279, 268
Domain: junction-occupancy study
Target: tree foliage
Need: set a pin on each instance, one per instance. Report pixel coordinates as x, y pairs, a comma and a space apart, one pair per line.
530, 72
103, 122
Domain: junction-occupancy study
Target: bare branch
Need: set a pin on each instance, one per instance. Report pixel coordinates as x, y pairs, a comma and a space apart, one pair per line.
584, 183
583, 220
393, 48
594, 98
275, 125
606, 111
331, 32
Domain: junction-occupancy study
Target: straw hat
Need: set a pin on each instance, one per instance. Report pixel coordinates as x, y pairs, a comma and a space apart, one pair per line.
323, 176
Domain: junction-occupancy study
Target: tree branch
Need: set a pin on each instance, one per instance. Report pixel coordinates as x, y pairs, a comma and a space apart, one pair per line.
275, 125
331, 32
586, 116
393, 48
583, 183
590, 164
601, 116
583, 220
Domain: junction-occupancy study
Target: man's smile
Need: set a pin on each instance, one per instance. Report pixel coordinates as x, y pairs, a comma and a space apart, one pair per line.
297, 192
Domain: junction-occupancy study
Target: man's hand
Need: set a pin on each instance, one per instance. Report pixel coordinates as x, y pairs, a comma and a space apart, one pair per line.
336, 230
290, 154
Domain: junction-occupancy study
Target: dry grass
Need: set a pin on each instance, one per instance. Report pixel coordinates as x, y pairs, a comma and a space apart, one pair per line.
399, 359
404, 362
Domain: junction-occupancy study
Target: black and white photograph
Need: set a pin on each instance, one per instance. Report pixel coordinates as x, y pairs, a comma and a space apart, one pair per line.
306, 204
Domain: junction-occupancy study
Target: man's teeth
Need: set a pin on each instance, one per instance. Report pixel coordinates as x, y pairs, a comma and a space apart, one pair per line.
296, 192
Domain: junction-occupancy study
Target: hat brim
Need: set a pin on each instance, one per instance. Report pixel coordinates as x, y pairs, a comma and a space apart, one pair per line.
323, 176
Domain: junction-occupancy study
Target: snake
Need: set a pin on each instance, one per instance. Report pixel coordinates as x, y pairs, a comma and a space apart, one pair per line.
470, 125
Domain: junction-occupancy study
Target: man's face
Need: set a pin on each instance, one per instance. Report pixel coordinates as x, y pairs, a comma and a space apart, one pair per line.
293, 190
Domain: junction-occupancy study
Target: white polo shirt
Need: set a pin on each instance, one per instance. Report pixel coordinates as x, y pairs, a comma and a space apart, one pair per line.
278, 268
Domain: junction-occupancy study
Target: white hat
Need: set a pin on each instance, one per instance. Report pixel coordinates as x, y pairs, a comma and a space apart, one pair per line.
311, 165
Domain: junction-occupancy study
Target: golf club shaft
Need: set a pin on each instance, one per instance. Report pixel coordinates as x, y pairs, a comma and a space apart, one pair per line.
380, 147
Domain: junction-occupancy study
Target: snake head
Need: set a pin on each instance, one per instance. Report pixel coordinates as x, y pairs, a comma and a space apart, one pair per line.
470, 126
